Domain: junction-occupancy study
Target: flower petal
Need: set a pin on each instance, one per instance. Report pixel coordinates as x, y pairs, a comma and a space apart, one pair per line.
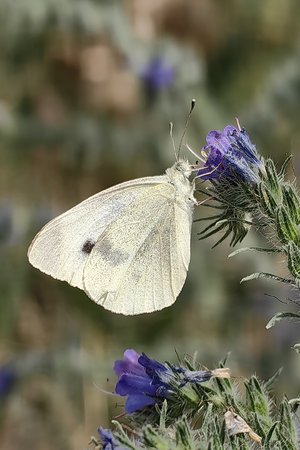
109, 441
129, 364
141, 379
231, 154
138, 402
213, 137
151, 365
133, 384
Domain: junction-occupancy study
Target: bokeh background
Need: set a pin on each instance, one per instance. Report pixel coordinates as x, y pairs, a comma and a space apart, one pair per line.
87, 91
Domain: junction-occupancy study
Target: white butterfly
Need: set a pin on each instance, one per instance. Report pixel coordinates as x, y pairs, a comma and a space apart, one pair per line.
127, 247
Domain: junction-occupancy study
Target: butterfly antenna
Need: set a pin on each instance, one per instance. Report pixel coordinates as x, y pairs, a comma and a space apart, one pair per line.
172, 139
193, 102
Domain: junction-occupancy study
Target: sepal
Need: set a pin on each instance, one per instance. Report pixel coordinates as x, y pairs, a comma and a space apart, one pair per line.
280, 316
293, 254
287, 229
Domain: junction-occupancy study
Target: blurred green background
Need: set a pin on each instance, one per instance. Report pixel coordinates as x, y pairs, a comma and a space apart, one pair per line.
87, 91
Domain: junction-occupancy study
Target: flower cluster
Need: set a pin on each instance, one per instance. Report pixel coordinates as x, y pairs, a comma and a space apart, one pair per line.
108, 440
171, 406
143, 380
223, 417
8, 378
158, 74
235, 170
229, 154
248, 189
146, 382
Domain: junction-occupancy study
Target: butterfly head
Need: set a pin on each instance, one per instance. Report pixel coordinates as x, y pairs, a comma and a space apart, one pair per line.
184, 167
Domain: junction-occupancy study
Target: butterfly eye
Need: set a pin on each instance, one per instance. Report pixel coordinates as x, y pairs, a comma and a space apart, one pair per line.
88, 246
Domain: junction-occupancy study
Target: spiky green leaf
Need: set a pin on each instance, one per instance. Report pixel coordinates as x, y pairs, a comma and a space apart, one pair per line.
280, 316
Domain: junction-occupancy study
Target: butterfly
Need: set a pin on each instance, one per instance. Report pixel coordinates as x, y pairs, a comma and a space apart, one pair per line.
127, 247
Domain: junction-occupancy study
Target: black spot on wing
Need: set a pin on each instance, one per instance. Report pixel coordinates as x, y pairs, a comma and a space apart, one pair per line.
88, 246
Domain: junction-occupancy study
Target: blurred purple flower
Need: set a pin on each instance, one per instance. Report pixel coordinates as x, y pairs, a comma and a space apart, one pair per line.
7, 380
142, 380
157, 74
230, 154
108, 440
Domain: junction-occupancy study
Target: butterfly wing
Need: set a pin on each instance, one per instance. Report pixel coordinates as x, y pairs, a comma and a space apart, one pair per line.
62, 248
140, 262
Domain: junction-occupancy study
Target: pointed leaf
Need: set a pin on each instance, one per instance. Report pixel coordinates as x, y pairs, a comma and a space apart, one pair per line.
294, 404
201, 219
270, 382
254, 249
280, 316
296, 347
269, 435
270, 276
284, 166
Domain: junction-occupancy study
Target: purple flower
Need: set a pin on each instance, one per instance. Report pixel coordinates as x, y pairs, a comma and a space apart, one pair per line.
230, 154
142, 380
157, 74
108, 440
7, 380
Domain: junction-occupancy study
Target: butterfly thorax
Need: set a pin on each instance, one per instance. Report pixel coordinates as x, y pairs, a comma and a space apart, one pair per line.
178, 176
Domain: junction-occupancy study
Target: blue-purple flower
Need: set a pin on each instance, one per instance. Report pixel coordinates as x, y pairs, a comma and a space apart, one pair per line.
143, 380
158, 74
230, 155
7, 380
109, 442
